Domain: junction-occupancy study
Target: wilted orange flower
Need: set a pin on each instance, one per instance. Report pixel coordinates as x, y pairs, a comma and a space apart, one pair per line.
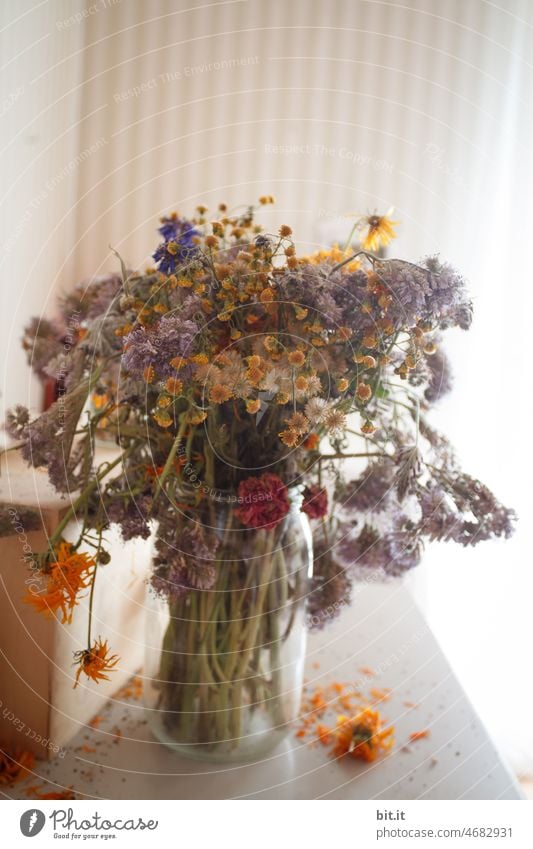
290, 438
380, 232
95, 662
364, 391
219, 393
163, 418
68, 575
312, 442
174, 385
362, 736
299, 423
270, 343
99, 400
196, 416
296, 358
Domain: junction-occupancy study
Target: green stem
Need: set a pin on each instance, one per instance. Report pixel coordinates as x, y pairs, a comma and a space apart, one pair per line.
170, 459
84, 495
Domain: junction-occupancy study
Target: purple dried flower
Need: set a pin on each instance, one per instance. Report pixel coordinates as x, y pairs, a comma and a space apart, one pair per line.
387, 554
132, 516
42, 341
48, 440
201, 574
408, 287
17, 421
370, 491
440, 376
447, 301
331, 587
185, 559
173, 336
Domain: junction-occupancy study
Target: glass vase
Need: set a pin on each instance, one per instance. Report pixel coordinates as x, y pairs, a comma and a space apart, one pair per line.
224, 666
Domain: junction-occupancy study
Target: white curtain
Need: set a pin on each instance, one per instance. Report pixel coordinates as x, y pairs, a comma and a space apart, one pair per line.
334, 106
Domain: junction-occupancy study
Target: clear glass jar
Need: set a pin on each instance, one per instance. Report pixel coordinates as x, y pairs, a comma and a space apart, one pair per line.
224, 666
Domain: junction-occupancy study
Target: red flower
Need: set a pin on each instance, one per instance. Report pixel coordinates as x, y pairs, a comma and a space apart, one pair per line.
264, 501
315, 502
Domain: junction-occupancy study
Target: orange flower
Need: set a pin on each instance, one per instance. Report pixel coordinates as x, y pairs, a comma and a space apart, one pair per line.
219, 393
174, 385
362, 736
68, 575
270, 343
180, 362
163, 418
311, 442
299, 423
95, 662
344, 333
380, 232
296, 358
196, 416
254, 375
99, 399
364, 391
253, 405
289, 437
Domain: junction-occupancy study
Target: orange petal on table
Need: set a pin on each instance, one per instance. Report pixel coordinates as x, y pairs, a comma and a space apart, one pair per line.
418, 735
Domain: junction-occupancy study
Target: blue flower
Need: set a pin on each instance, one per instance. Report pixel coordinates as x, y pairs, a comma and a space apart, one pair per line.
178, 247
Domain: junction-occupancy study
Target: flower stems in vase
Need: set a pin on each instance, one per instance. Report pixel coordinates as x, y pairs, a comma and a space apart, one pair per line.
222, 656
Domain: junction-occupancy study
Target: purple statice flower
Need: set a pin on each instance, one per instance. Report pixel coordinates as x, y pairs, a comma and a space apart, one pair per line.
42, 341
370, 491
185, 560
462, 509
330, 590
17, 421
169, 576
178, 247
309, 287
132, 515
101, 293
438, 518
188, 306
447, 301
350, 291
408, 287
173, 336
386, 554
47, 441
439, 376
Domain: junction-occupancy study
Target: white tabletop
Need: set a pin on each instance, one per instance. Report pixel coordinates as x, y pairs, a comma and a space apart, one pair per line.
382, 631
